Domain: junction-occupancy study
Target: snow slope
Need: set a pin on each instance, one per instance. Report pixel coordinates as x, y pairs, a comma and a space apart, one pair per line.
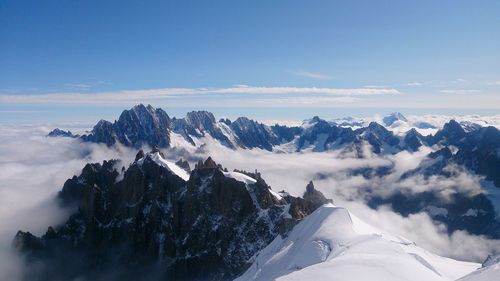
489, 271
156, 157
332, 244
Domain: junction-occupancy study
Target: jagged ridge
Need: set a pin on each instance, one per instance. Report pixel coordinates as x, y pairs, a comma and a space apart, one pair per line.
207, 227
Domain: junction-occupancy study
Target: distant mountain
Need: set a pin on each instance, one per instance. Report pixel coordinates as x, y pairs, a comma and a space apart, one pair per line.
156, 221
138, 126
393, 117
61, 133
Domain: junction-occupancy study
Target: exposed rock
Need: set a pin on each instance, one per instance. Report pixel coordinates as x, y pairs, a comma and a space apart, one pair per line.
153, 221
139, 155
184, 165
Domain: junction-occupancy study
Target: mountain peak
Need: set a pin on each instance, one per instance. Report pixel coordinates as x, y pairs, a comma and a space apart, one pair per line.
310, 187
393, 117
61, 133
208, 164
451, 132
453, 125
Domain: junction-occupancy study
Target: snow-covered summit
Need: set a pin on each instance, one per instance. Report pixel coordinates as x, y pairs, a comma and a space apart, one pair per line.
171, 166
393, 117
333, 244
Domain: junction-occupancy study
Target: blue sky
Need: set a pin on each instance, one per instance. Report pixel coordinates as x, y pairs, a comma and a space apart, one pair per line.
88, 57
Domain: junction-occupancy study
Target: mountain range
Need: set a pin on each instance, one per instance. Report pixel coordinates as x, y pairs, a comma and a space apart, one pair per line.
475, 149
159, 219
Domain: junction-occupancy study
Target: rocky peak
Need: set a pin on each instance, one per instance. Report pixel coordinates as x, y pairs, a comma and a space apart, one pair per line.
310, 187
184, 165
61, 133
451, 133
376, 127
208, 164
314, 198
316, 119
453, 127
208, 227
413, 139
140, 154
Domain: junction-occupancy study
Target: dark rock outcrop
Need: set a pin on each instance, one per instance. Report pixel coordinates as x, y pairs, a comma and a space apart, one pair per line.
150, 224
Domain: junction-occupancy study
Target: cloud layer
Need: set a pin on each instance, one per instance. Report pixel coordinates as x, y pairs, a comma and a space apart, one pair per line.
34, 169
137, 96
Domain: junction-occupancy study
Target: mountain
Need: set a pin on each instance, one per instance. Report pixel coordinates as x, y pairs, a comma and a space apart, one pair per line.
393, 117
333, 244
61, 133
475, 151
141, 125
145, 125
155, 221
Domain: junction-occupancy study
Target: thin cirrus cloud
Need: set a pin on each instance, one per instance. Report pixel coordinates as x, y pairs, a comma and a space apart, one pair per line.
414, 84
130, 96
459, 91
312, 75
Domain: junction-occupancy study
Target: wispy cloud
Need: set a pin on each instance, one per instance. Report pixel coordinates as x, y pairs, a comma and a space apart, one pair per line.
459, 91
179, 93
414, 84
312, 75
85, 86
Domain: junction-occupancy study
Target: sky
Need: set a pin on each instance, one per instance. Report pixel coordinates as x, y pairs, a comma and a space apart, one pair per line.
82, 60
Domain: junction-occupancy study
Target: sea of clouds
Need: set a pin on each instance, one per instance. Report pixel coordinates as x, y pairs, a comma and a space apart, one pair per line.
34, 168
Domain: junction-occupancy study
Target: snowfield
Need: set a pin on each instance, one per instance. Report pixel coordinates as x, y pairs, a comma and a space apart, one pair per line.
333, 244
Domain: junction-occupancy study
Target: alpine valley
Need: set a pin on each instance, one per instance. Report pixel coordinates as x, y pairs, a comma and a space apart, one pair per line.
175, 212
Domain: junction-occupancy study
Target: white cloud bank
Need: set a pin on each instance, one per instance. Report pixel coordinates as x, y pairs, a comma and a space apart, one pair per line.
136, 96
33, 169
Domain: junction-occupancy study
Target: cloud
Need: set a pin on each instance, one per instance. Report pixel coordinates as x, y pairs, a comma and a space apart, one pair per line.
331, 172
312, 75
414, 84
34, 169
135, 96
459, 91
458, 81
85, 86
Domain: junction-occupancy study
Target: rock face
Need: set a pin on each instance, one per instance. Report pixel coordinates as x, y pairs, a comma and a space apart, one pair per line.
147, 223
141, 125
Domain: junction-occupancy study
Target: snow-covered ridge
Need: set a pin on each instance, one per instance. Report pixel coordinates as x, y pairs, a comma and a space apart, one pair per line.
158, 159
333, 244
